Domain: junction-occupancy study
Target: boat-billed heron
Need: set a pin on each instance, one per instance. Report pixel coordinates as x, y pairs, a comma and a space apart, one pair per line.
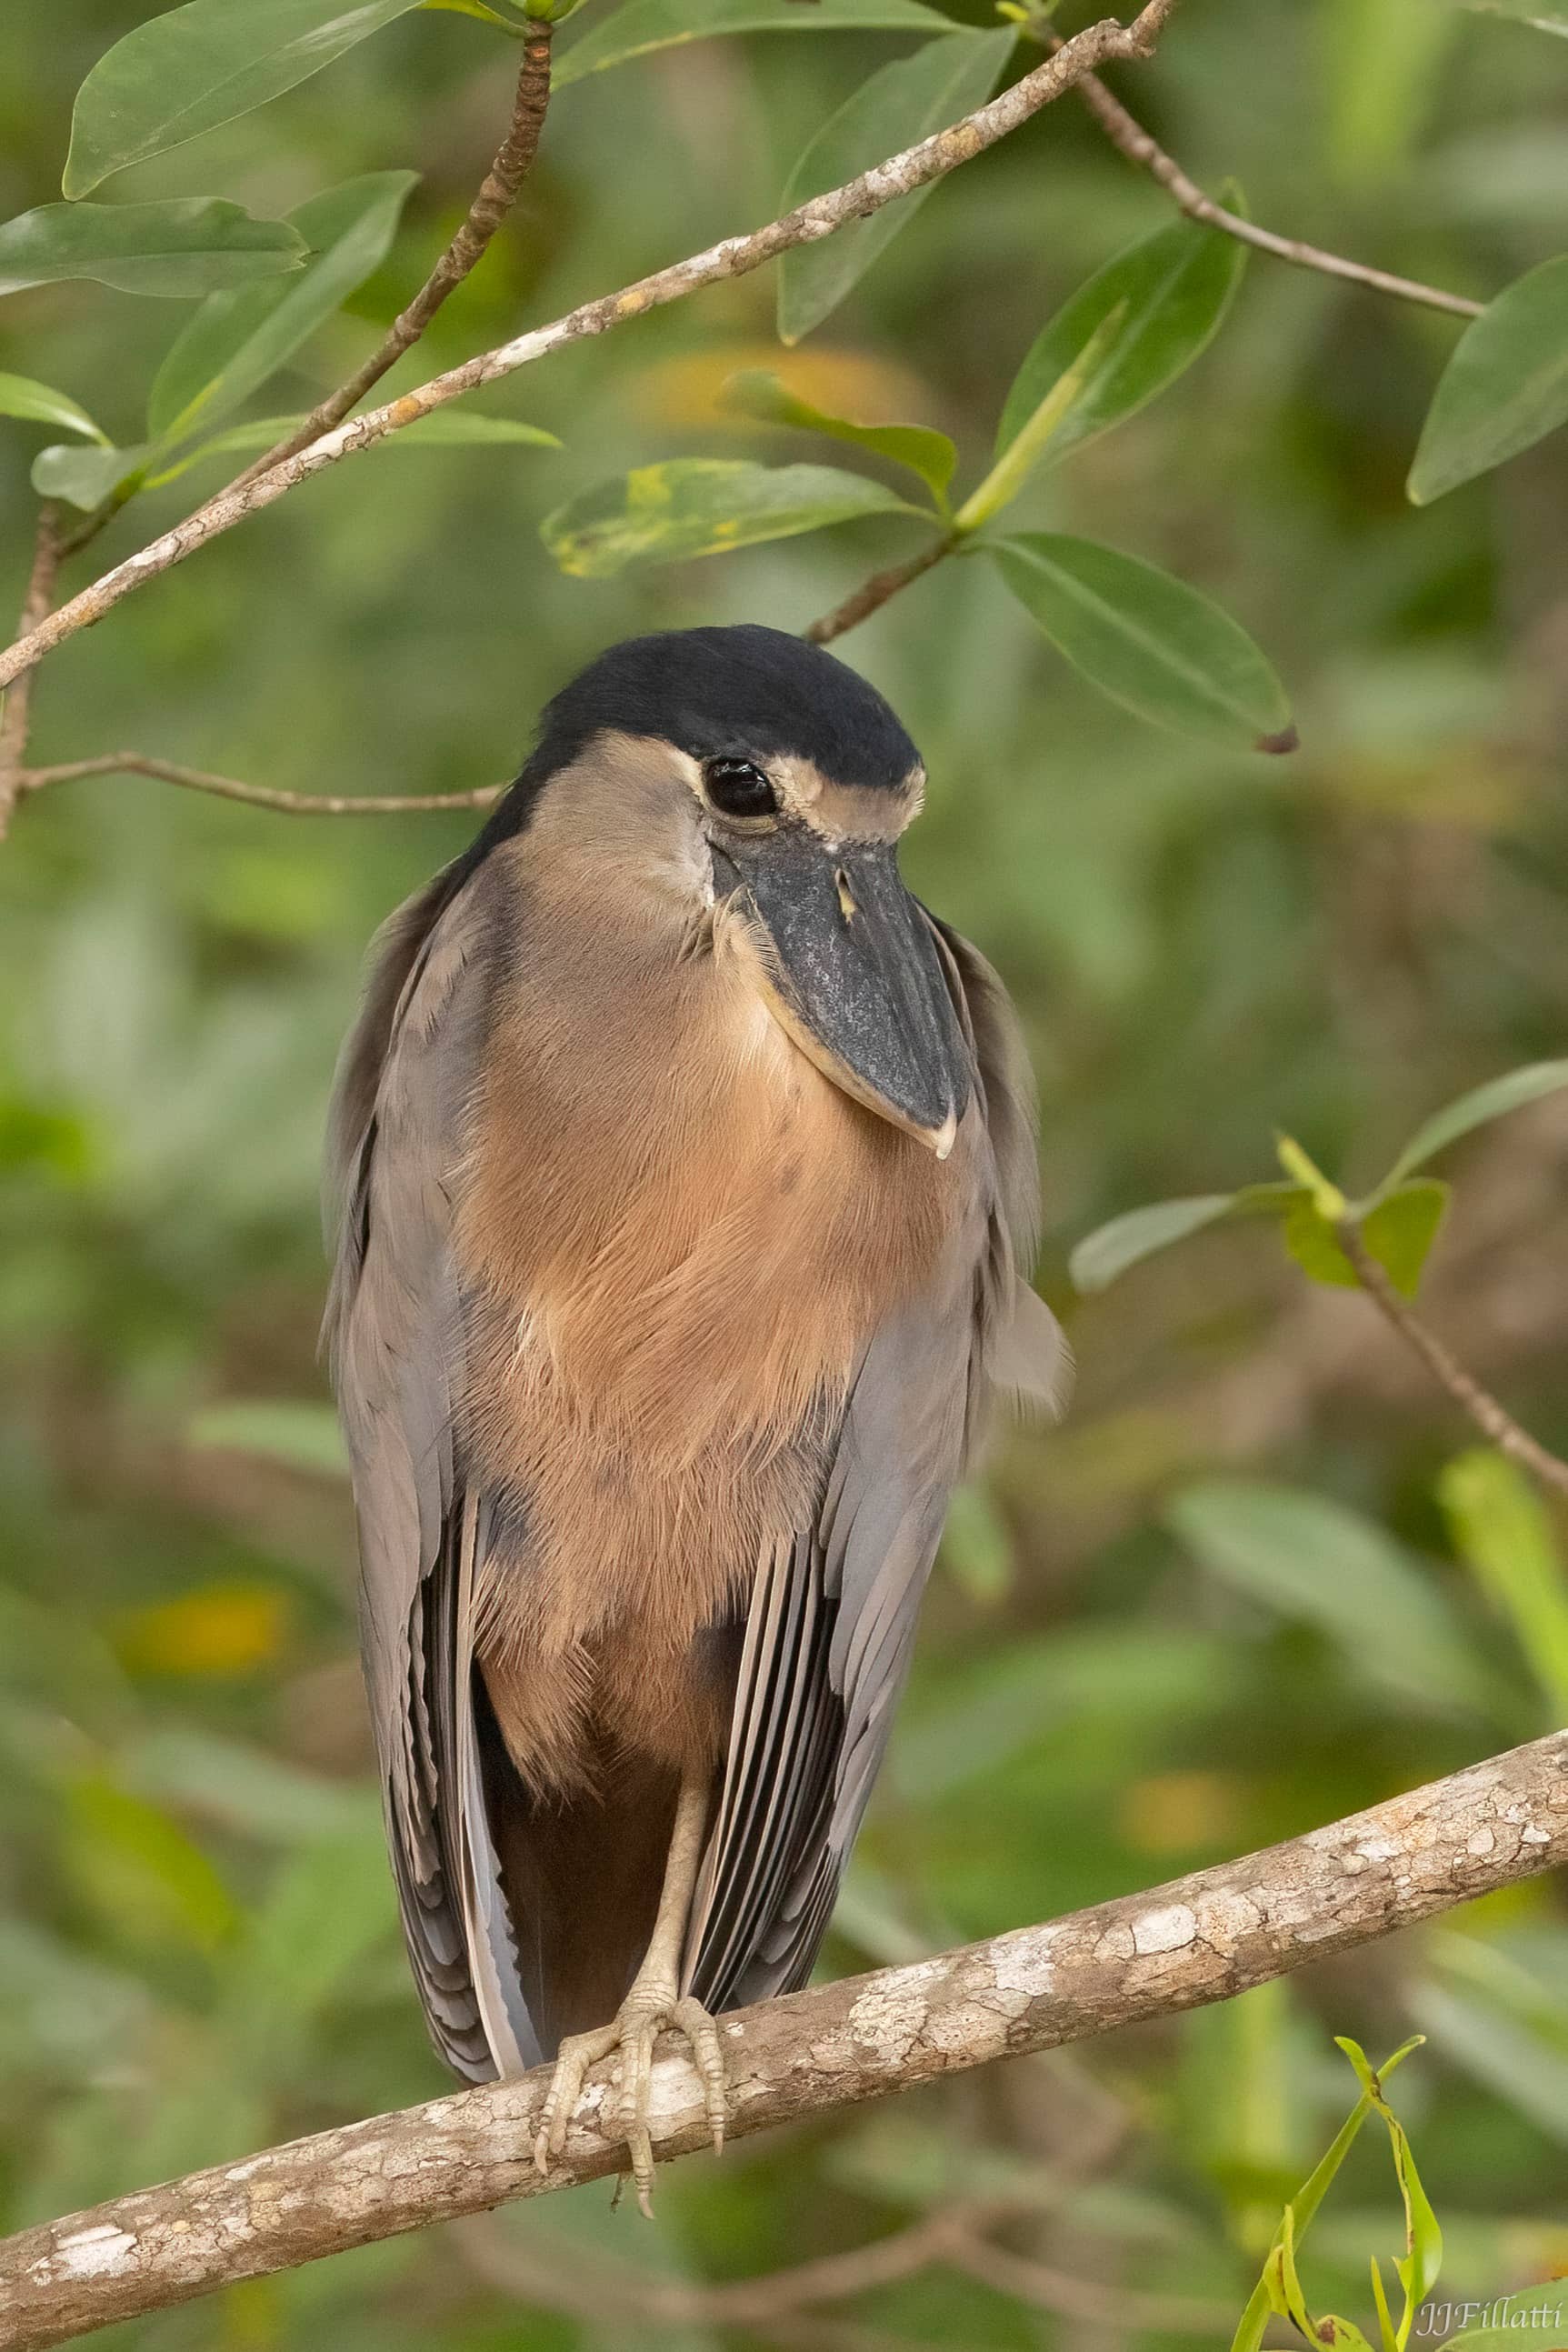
685, 1175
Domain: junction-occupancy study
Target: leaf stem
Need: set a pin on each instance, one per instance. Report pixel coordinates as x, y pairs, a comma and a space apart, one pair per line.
1467, 1391
875, 593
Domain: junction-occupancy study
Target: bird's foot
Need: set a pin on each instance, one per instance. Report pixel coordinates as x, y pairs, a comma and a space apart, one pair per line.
642, 2017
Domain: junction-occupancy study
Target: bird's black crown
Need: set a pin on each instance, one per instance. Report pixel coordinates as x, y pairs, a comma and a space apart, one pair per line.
745, 692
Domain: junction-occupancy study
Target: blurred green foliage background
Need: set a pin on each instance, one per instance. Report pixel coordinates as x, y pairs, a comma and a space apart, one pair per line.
198, 1950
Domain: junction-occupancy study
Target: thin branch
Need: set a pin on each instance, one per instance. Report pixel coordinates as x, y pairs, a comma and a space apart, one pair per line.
1133, 142
875, 593
15, 716
734, 257
615, 2291
1071, 2297
230, 788
1198, 1939
514, 160
1467, 1391
951, 2235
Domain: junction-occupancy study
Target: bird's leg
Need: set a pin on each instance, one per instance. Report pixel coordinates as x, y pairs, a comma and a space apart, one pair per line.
653, 2002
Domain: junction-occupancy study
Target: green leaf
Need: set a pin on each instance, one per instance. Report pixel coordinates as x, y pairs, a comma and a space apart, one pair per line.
892, 110
977, 1550
1387, 2339
1502, 1531
703, 506
186, 72
1546, 16
1504, 387
759, 392
1314, 1559
328, 1907
238, 1788
1533, 2320
1303, 2209
1171, 290
1378, 101
476, 8
444, 429
1024, 452
1287, 2297
1418, 2269
235, 340
1325, 1197
1078, 1683
639, 26
182, 247
464, 428
1518, 2053
1476, 1108
1398, 1232
1423, 2257
1148, 641
85, 477
1126, 1240
298, 1434
20, 395
142, 1871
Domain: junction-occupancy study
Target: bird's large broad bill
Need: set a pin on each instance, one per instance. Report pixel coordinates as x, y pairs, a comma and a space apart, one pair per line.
852, 968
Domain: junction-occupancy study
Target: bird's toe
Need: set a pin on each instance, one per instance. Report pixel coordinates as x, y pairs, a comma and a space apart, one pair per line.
692, 2018
577, 2054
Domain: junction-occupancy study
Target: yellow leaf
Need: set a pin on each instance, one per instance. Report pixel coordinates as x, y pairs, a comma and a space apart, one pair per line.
1172, 1813
220, 1629
684, 390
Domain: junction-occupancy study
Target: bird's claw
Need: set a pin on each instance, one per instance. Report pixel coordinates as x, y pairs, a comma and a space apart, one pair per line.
640, 2018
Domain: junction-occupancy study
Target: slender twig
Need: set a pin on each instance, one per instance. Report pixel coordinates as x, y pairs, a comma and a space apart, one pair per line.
951, 2235
230, 788
514, 160
613, 2291
872, 593
1133, 142
1200, 1939
1467, 1391
899, 175
1071, 2297
16, 713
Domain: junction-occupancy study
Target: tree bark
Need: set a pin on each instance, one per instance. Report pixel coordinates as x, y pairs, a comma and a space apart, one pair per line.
1197, 1940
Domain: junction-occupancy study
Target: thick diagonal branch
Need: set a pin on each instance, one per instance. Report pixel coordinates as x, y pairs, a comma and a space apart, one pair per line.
514, 160
734, 257
1201, 1938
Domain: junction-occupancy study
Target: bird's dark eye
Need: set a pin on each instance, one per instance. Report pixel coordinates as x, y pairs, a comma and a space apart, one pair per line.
739, 788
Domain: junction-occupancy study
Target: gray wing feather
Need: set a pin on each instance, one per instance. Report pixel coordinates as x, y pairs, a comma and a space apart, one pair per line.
394, 1329
832, 1623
